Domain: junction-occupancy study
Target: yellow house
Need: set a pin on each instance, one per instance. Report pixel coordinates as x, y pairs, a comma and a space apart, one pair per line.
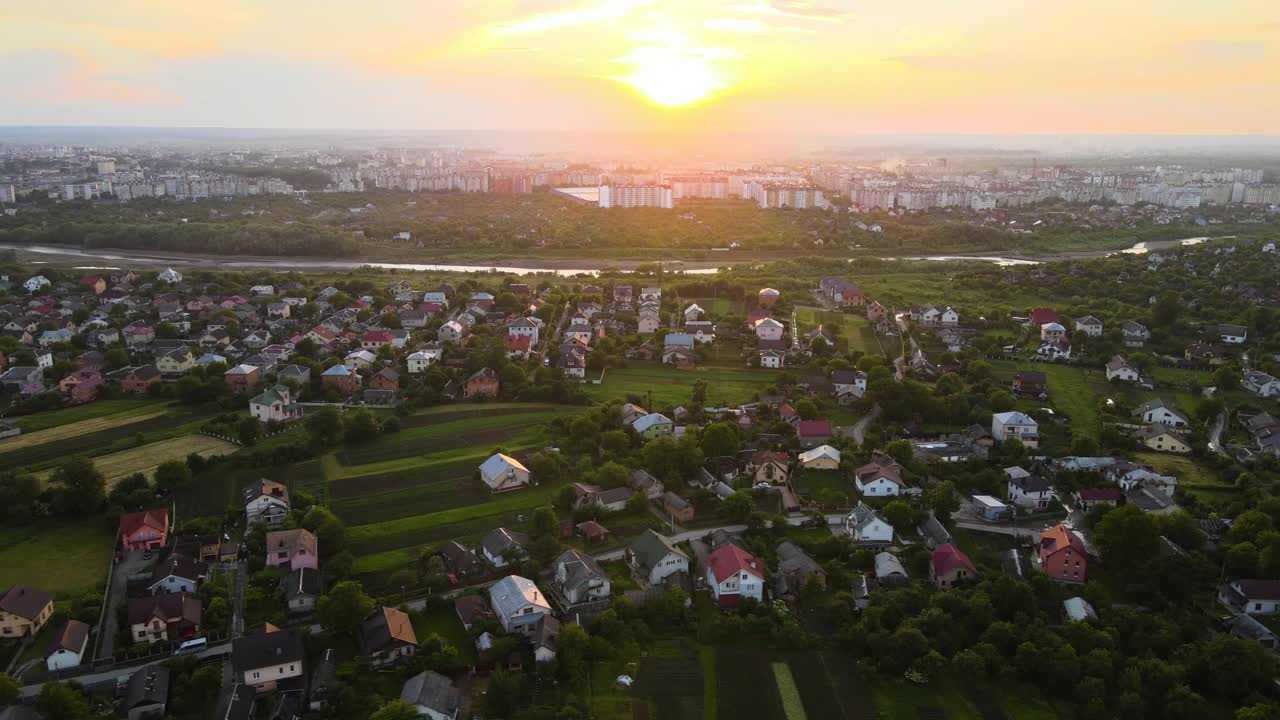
175, 362
823, 457
1161, 438
24, 609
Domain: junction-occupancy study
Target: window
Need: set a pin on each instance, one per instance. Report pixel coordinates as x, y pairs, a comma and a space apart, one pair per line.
256, 676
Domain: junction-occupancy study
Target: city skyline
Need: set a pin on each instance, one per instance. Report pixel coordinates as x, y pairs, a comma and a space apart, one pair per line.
682, 69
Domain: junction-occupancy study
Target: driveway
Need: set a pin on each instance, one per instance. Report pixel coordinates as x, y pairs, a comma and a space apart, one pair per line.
110, 625
1215, 433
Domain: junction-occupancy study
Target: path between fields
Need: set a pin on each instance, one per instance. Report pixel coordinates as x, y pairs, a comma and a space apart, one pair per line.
1215, 433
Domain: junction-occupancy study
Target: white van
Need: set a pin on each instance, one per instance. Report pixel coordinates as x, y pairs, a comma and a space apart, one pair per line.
191, 647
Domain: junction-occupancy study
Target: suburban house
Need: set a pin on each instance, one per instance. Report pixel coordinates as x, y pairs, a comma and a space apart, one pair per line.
643, 482
139, 379
266, 501
1135, 334
242, 378
579, 580
432, 695
879, 478
66, 650
292, 549
177, 573
772, 359
678, 508
422, 359
841, 291
482, 383
24, 610
653, 425
1085, 499
146, 693
770, 467
1089, 325
1157, 412
387, 636
385, 379
1229, 334
168, 617
302, 588
1254, 597
948, 565
653, 557
270, 660
341, 377
1030, 383
503, 472
146, 530
823, 457
796, 569
865, 527
460, 560
1027, 490
769, 329
1160, 438
502, 547
1062, 555
1014, 425
734, 574
768, 296
518, 604
813, 433
451, 332
1261, 384
1120, 369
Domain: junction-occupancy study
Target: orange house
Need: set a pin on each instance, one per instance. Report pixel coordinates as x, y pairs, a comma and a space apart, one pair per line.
242, 378
146, 530
1063, 556
483, 382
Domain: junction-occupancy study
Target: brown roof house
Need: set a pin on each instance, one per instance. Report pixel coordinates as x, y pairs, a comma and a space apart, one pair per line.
677, 507
171, 617
387, 637
68, 646
24, 609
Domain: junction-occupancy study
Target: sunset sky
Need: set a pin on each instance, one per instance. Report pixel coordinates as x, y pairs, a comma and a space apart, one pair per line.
776, 66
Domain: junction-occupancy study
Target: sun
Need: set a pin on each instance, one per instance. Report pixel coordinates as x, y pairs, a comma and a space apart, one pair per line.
672, 78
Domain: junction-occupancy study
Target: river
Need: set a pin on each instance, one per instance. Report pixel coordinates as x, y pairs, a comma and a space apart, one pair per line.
142, 259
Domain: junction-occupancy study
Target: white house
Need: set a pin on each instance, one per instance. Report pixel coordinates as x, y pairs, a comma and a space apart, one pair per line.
653, 557
1050, 332
68, 646
262, 290
422, 359
882, 477
177, 574
1232, 334
1261, 384
1135, 334
693, 312
769, 329
771, 359
267, 502
517, 603
274, 404
451, 331
734, 574
1089, 325
171, 276
1120, 369
1157, 412
36, 283
864, 526
1253, 597
503, 472
1027, 490
525, 327
1014, 425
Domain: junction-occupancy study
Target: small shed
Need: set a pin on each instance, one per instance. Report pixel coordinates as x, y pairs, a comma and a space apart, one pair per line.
991, 508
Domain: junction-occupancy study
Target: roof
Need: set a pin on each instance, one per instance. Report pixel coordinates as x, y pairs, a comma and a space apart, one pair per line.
1014, 417
263, 486
498, 463
148, 686
384, 627
815, 428
71, 636
645, 422
472, 609
651, 547
863, 515
169, 606
266, 649
948, 558
888, 564
25, 601
1031, 483
1259, 589
730, 560
132, 522
1059, 537
1078, 609
338, 370
820, 452
513, 592
578, 567
500, 540
792, 559
235, 703
432, 690
181, 566
1106, 494
291, 540
301, 582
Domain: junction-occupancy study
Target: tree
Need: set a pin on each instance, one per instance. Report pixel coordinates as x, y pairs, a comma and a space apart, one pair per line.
8, 689
738, 507
1127, 537
173, 474
898, 514
247, 430
81, 489
720, 439
63, 702
943, 499
545, 522
806, 409
360, 427
395, 710
344, 607
1182, 529
325, 428
506, 692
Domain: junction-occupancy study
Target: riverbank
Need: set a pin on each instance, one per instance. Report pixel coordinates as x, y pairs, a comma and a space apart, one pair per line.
107, 259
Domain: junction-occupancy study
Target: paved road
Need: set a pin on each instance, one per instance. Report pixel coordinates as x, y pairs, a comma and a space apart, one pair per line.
110, 677
132, 563
678, 537
860, 427
1029, 533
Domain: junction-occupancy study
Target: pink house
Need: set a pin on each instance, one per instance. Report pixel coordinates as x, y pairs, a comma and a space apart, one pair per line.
146, 530
292, 550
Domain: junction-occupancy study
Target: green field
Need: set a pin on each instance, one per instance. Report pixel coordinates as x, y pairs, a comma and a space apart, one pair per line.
668, 386
856, 332
58, 557
145, 459
118, 407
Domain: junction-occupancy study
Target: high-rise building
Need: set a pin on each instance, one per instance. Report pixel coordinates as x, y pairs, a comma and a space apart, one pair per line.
631, 196
699, 186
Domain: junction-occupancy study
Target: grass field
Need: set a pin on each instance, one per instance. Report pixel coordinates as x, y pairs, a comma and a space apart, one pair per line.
792, 705
469, 433
78, 428
857, 333
668, 386
146, 459
59, 557
119, 407
812, 483
1186, 469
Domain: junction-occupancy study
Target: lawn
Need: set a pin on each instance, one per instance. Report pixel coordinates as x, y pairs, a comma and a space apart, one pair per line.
1186, 469
525, 499
792, 705
119, 407
445, 623
1070, 392
58, 557
472, 433
77, 428
900, 700
718, 307
857, 333
812, 483
147, 458
663, 386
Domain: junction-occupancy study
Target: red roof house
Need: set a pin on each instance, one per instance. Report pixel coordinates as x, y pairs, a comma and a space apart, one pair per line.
1040, 316
1063, 555
733, 574
948, 565
146, 530
814, 432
